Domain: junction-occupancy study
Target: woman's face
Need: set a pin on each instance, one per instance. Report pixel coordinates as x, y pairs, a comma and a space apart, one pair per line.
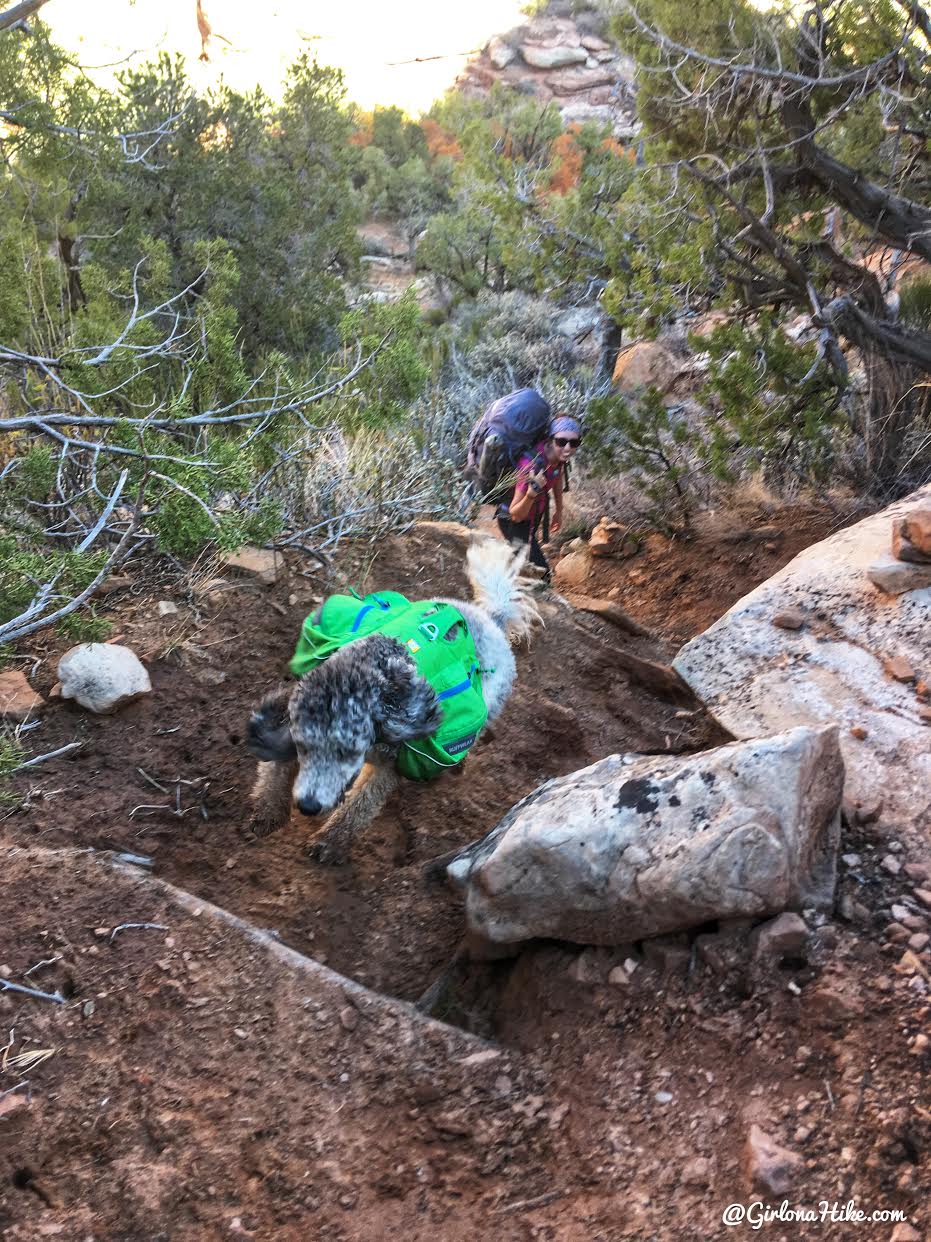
562, 447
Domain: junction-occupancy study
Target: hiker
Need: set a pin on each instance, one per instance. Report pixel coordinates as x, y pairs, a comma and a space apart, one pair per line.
538, 474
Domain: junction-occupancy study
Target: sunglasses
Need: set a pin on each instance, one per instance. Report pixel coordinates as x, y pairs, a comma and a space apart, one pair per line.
566, 442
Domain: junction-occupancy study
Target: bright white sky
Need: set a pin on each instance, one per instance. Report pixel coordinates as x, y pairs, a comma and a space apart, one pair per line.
362, 37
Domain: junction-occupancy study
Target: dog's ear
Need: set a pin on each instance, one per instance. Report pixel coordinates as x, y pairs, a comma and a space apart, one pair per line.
407, 704
269, 733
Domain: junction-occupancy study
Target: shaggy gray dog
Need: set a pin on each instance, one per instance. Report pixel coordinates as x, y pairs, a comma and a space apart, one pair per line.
359, 706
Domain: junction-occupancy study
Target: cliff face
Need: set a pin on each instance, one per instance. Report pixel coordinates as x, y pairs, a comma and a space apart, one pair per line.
566, 60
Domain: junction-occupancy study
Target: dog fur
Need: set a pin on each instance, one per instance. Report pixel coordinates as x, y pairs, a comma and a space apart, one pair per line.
350, 714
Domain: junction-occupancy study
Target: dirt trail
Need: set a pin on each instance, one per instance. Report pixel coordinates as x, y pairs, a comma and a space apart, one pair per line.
374, 920
216, 1134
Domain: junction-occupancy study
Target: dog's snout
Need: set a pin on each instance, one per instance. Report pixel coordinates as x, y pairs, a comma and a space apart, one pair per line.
309, 806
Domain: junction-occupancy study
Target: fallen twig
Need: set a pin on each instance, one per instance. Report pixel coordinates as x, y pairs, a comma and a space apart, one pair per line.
127, 926
150, 806
529, 1205
177, 811
7, 985
19, 1087
52, 754
152, 781
46, 961
830, 1093
136, 860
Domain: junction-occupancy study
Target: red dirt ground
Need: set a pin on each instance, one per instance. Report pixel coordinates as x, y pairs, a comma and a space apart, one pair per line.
214, 1135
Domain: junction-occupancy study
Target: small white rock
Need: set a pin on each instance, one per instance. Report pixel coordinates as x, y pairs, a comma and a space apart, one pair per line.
102, 676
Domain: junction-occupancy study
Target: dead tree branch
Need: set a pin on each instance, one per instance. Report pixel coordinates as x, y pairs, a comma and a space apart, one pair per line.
19, 12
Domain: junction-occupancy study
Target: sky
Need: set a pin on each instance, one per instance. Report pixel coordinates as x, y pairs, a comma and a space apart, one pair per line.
365, 38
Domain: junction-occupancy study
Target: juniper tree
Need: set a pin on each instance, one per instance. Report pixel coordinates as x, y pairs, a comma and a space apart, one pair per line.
789, 163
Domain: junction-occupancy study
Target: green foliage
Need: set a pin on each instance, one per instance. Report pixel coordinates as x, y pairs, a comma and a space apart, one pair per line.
709, 26
24, 564
533, 208
465, 247
766, 407
35, 473
85, 627
398, 137
769, 398
190, 281
394, 173
648, 441
671, 267
12, 754
383, 391
271, 182
915, 303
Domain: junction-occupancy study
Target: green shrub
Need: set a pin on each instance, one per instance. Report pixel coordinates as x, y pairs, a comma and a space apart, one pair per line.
85, 627
648, 441
915, 303
771, 405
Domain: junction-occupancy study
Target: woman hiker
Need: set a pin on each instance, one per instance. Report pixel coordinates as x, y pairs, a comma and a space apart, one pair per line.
538, 474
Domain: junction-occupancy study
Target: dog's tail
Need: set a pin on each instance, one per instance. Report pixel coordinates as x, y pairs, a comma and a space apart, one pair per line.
493, 567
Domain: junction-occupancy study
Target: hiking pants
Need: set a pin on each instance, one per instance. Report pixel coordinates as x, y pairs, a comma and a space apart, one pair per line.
520, 532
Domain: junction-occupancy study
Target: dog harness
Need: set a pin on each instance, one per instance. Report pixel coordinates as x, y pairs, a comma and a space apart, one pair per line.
437, 639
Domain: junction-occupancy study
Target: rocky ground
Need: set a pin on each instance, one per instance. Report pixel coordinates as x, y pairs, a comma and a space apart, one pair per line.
203, 1079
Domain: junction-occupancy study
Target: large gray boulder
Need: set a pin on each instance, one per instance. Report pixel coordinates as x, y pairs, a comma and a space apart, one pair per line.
860, 659
636, 846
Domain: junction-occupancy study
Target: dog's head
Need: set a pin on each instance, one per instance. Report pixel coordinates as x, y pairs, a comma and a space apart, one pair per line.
365, 693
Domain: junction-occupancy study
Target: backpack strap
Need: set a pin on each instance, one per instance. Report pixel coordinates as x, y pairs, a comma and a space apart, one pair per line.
366, 609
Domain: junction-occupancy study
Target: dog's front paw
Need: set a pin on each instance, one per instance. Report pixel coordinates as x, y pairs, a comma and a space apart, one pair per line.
327, 853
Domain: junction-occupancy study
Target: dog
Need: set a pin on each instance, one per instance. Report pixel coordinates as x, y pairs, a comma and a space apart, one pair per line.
357, 708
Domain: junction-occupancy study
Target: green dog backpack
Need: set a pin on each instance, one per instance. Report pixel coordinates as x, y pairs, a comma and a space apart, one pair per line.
437, 638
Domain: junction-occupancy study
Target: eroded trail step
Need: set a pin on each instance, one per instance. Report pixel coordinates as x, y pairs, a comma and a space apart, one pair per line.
192, 1090
374, 920
212, 1074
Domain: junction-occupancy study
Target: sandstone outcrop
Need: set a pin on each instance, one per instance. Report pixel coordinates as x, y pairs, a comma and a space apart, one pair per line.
559, 59
838, 668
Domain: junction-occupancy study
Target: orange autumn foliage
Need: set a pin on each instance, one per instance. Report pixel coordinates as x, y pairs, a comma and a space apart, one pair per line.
568, 159
568, 162
439, 142
618, 149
